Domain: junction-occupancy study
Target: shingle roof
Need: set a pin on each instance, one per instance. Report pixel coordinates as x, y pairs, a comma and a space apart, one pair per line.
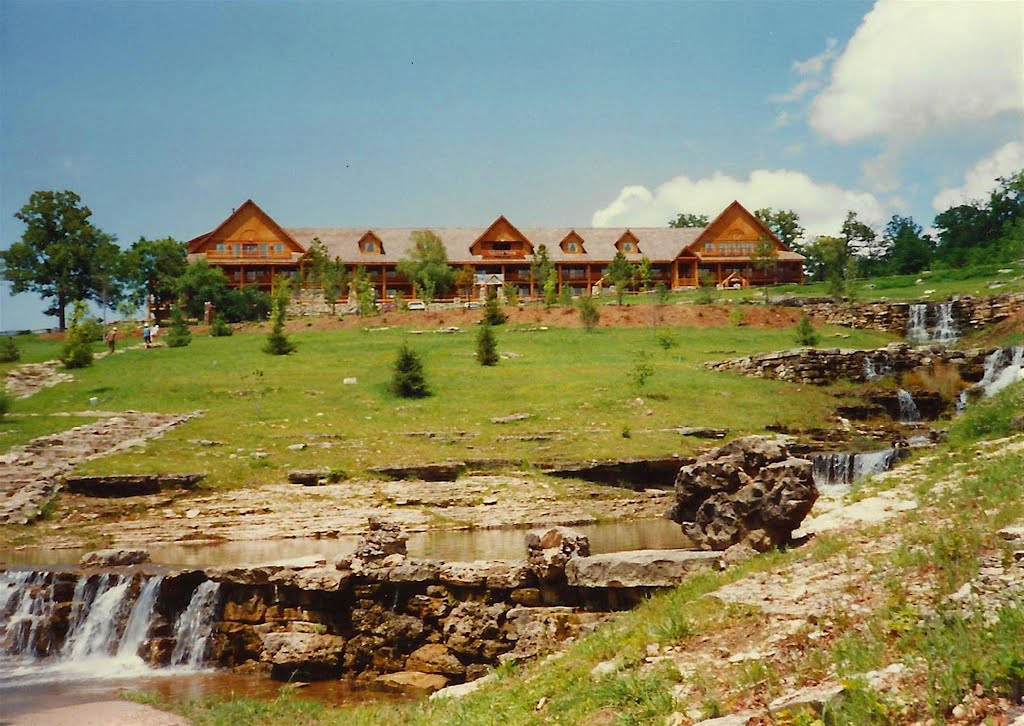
659, 244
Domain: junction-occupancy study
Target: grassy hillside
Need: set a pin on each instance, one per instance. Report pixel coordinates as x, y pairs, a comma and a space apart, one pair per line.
575, 386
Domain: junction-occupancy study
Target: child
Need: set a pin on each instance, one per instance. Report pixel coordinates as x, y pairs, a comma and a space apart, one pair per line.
111, 340
146, 336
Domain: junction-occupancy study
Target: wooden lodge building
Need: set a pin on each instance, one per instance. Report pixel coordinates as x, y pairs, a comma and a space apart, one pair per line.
252, 248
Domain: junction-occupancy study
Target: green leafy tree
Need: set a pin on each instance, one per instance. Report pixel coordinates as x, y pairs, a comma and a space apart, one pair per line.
565, 295
831, 259
199, 284
334, 282
861, 240
407, 380
707, 287
763, 259
541, 267
486, 346
784, 224
590, 316
984, 231
426, 265
77, 349
62, 256
243, 303
219, 328
806, 335
620, 274
511, 291
493, 314
551, 288
642, 369
661, 295
366, 293
156, 266
178, 334
910, 251
9, 352
277, 342
643, 273
685, 220
465, 278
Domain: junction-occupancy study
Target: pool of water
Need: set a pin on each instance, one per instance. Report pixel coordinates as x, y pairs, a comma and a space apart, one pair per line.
479, 544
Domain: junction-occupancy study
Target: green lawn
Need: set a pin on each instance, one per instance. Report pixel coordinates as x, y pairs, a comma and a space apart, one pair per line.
575, 386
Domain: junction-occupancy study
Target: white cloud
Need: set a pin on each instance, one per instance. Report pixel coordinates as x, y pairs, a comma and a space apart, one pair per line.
811, 70
822, 207
980, 179
914, 65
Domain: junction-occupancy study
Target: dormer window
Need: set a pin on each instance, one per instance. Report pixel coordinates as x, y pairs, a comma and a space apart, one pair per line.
572, 247
368, 246
628, 243
572, 244
627, 247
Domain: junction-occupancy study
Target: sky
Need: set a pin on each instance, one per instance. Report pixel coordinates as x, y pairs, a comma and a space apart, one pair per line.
164, 116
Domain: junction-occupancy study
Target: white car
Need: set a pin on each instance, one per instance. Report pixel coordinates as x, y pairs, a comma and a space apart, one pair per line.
416, 305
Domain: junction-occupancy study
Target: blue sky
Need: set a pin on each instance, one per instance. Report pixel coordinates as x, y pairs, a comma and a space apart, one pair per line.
164, 116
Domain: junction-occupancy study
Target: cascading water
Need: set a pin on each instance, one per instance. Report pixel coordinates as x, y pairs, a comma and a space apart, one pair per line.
192, 632
1002, 367
109, 623
917, 323
908, 409
841, 468
946, 331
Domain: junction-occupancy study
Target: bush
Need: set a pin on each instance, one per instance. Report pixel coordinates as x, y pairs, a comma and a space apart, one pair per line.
590, 316
277, 342
565, 295
805, 333
511, 291
5, 403
407, 380
77, 350
178, 334
666, 339
493, 314
219, 328
707, 291
661, 294
247, 303
642, 369
8, 350
486, 347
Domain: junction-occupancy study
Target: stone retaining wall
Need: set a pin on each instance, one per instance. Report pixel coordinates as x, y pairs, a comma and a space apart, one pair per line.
970, 313
820, 366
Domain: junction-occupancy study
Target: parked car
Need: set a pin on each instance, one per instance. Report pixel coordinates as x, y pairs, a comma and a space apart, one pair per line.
471, 305
416, 305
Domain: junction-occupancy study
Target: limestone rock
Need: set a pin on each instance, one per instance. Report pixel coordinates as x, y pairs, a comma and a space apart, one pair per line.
413, 681
114, 557
748, 491
508, 574
383, 539
815, 698
435, 658
462, 689
638, 568
547, 551
306, 655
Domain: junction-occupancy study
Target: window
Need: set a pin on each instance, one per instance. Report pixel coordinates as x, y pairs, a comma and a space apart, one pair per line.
572, 247
220, 247
627, 246
279, 248
501, 246
263, 250
368, 246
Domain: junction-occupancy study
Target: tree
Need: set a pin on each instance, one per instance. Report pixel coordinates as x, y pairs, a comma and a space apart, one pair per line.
155, 267
511, 291
219, 327
909, 250
590, 316
707, 287
806, 335
784, 224
987, 231
9, 352
642, 369
620, 273
861, 239
551, 288
486, 346
199, 284
832, 260
685, 219
426, 265
541, 267
565, 295
493, 314
334, 282
366, 293
465, 278
407, 379
77, 349
764, 258
178, 335
62, 256
643, 273
277, 342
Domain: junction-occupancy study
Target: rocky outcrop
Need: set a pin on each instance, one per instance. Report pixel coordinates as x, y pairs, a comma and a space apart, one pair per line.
969, 312
441, 471
639, 473
749, 491
639, 568
129, 485
302, 655
821, 366
548, 551
114, 557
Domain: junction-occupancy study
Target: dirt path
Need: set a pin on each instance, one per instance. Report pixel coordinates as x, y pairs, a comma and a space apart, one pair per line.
30, 474
100, 713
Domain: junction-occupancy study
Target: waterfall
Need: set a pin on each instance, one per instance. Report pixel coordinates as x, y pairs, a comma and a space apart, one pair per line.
29, 604
192, 631
96, 634
1003, 367
908, 409
137, 629
839, 469
917, 323
870, 373
946, 331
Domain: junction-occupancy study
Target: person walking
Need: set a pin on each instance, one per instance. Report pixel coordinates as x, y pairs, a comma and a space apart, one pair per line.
111, 340
147, 334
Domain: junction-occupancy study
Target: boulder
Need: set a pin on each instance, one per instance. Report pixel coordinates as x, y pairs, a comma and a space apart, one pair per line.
638, 568
442, 471
129, 485
748, 491
114, 557
494, 574
413, 681
435, 658
547, 551
382, 539
308, 477
303, 655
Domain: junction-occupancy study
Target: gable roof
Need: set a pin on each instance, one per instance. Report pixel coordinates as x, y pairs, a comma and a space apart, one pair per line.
247, 206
